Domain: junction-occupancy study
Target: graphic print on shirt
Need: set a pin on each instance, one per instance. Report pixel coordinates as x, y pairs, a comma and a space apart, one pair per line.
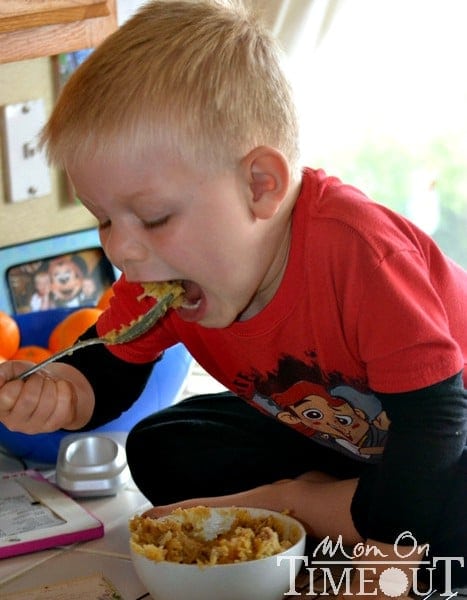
332, 410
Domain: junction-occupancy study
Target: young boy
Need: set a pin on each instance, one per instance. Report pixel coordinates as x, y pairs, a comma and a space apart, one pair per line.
338, 326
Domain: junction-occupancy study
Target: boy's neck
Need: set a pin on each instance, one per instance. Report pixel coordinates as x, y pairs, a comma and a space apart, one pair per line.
278, 266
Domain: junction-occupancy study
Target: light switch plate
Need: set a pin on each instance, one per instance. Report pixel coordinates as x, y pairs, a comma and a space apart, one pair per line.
27, 172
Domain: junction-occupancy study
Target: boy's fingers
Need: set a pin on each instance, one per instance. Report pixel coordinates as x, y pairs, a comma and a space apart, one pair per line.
6, 372
12, 368
8, 395
11, 388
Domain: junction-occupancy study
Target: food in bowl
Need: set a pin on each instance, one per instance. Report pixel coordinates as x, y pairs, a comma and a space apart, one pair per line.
207, 538
181, 537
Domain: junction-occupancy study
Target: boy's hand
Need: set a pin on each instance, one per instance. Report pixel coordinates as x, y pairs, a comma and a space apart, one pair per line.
54, 398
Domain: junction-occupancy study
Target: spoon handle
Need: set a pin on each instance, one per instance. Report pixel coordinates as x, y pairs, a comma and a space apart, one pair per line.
58, 355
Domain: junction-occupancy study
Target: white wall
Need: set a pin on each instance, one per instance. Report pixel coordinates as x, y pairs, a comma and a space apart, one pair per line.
125, 8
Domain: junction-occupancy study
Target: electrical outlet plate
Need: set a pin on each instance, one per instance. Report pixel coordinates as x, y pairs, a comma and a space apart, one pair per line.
27, 171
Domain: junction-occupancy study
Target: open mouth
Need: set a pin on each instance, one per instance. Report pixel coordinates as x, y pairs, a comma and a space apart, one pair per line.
193, 301
190, 302
193, 295
191, 305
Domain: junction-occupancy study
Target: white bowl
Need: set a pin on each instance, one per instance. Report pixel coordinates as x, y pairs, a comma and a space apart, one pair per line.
260, 579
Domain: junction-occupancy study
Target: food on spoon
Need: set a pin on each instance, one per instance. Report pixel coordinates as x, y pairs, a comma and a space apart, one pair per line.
180, 537
158, 289
153, 289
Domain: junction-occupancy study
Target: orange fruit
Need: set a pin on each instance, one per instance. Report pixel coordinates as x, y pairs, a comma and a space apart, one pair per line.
9, 335
104, 300
2, 359
71, 327
33, 353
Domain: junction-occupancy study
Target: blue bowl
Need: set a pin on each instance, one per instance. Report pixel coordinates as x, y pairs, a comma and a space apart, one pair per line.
163, 388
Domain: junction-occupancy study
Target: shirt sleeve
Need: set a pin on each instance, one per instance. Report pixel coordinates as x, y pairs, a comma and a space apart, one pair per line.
128, 303
117, 384
404, 328
407, 491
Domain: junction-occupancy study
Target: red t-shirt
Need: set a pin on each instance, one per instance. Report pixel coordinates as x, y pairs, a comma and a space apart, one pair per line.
368, 304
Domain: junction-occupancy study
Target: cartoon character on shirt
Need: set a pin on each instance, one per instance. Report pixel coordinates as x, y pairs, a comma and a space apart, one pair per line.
351, 419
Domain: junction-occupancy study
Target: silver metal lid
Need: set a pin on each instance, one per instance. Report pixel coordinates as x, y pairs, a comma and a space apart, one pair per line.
91, 464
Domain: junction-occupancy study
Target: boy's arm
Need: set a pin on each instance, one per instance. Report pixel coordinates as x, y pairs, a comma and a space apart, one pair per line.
116, 383
409, 488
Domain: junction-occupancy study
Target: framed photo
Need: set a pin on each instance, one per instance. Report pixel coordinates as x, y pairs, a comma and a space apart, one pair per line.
71, 280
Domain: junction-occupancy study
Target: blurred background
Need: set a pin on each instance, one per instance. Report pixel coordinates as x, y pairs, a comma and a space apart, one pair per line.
380, 87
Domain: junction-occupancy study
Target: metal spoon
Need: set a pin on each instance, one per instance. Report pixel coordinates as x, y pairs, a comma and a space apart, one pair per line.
121, 336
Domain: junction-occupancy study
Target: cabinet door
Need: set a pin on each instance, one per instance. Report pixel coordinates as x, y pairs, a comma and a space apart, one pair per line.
44, 28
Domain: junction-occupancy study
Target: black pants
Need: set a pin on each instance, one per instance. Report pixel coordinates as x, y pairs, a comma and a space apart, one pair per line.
217, 444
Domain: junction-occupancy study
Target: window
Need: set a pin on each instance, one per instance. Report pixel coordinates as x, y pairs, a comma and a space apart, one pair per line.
383, 105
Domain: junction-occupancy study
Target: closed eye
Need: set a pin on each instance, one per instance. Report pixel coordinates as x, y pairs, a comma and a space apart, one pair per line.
156, 223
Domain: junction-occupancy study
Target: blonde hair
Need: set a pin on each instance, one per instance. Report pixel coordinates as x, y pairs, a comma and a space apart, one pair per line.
201, 78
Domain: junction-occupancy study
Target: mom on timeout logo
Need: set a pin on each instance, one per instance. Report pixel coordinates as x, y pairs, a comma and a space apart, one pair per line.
396, 577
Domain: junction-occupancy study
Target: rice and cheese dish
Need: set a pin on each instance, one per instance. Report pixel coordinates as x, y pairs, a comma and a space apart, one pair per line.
181, 537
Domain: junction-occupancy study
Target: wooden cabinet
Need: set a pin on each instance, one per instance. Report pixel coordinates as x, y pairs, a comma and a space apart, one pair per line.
34, 28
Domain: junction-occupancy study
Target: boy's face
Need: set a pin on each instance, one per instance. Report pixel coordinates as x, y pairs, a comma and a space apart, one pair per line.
160, 219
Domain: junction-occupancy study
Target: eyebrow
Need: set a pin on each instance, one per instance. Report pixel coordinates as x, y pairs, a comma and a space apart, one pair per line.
139, 194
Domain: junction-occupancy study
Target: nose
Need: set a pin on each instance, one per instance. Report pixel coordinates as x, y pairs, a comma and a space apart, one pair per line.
122, 247
129, 252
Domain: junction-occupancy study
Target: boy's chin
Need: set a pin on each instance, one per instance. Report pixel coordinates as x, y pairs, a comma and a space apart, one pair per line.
212, 315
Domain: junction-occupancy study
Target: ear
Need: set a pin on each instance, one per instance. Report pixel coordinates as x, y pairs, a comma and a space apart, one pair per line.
268, 175
287, 418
